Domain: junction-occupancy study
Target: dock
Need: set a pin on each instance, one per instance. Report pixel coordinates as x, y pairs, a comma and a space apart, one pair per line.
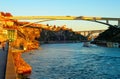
7, 67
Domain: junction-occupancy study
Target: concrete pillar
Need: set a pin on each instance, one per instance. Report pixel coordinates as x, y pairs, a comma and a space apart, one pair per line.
118, 23
87, 33
107, 21
84, 34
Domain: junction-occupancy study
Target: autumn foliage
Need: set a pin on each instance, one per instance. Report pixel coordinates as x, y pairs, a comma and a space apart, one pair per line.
21, 66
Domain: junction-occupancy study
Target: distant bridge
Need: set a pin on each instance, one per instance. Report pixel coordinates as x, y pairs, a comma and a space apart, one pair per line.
90, 32
93, 19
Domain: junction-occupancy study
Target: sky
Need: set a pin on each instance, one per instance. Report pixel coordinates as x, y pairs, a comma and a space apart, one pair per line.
100, 8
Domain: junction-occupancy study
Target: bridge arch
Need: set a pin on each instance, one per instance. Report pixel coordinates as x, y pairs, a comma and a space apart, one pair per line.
85, 18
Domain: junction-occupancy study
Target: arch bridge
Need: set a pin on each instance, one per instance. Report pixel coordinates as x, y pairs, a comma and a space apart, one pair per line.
86, 33
86, 18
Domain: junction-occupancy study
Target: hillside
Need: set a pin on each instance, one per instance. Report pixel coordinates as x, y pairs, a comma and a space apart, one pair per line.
112, 34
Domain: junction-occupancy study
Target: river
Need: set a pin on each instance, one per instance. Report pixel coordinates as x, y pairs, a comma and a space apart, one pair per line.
73, 61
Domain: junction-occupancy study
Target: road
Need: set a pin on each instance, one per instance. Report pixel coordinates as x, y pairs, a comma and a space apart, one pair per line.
3, 61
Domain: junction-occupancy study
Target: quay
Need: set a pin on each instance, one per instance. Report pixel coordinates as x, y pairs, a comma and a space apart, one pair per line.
7, 67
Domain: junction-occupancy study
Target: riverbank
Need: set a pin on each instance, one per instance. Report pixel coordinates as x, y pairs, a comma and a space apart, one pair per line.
21, 67
107, 44
60, 42
16, 67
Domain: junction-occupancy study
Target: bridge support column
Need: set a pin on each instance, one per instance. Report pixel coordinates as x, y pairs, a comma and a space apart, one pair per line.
118, 23
107, 21
84, 33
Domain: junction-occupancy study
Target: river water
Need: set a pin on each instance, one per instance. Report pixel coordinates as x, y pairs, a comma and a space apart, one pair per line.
73, 61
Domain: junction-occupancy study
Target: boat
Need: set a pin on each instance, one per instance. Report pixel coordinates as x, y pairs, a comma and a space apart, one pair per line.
86, 44
113, 44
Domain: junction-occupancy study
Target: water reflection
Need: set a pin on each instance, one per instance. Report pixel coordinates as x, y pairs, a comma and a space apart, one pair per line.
72, 61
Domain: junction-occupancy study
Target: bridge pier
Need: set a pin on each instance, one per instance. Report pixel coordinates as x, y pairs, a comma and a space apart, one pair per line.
118, 23
107, 21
